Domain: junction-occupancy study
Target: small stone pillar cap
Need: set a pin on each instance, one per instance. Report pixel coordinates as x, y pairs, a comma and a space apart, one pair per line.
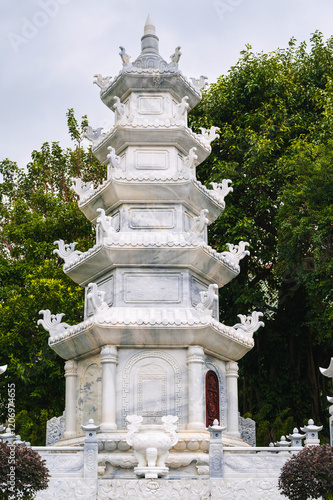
283, 442
311, 428
216, 430
90, 429
296, 438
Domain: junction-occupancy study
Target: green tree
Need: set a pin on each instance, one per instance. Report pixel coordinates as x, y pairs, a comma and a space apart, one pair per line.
37, 208
274, 112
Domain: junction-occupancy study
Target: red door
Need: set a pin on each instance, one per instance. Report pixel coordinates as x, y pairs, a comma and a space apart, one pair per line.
212, 398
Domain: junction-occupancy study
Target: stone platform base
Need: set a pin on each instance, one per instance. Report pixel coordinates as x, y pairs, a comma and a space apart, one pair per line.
162, 489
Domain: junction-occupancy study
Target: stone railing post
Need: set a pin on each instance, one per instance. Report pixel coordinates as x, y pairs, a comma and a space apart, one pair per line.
232, 398
195, 363
90, 460
216, 450
109, 360
311, 432
70, 403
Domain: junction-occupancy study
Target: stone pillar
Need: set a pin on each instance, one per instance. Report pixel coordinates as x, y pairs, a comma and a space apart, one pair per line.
232, 398
70, 402
216, 450
195, 363
109, 360
90, 460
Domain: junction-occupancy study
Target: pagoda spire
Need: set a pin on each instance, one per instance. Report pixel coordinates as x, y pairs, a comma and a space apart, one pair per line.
149, 28
149, 41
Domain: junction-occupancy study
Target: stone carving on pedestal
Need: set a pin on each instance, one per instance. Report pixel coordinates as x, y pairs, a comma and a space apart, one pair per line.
247, 429
151, 444
55, 429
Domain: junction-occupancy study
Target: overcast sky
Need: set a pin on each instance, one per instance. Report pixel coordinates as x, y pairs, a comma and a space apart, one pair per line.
50, 50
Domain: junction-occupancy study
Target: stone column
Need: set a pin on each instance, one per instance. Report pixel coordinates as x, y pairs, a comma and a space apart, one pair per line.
109, 360
232, 398
70, 403
195, 363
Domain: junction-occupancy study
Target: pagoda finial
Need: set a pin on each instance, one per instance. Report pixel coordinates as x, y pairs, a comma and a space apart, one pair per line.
149, 41
149, 28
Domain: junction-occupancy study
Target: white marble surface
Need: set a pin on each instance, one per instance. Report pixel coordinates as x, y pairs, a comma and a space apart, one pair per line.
143, 489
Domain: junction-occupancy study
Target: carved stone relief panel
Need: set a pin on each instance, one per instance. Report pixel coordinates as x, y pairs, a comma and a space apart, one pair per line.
90, 392
152, 287
151, 159
150, 104
187, 221
152, 386
152, 218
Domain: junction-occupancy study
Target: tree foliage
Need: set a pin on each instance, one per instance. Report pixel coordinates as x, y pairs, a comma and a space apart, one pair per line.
38, 207
274, 112
22, 472
308, 474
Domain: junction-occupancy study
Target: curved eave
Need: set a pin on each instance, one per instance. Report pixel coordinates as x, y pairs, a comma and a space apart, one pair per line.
123, 136
153, 81
214, 337
328, 372
126, 189
201, 259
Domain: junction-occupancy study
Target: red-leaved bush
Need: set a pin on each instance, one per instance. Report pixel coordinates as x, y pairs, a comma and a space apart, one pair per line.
309, 474
22, 472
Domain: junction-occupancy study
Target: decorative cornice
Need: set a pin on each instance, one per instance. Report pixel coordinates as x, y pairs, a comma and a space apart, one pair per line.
130, 240
124, 317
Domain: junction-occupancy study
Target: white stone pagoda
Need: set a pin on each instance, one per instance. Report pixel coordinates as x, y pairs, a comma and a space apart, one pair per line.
151, 343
